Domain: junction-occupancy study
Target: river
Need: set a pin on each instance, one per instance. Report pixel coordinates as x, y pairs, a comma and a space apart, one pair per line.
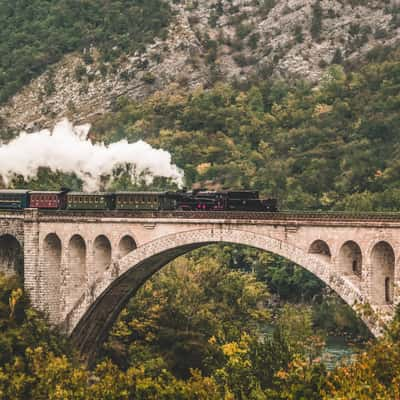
337, 350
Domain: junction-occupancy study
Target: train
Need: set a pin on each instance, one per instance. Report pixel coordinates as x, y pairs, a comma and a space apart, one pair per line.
181, 200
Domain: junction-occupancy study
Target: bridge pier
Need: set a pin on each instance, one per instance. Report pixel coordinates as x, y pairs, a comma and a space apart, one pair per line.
32, 271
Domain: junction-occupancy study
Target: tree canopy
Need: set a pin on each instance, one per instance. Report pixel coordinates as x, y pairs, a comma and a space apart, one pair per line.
37, 33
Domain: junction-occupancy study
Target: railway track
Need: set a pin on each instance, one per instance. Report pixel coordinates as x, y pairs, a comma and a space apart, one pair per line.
226, 215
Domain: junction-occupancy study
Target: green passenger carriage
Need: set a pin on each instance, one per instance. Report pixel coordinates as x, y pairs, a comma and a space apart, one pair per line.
152, 201
90, 201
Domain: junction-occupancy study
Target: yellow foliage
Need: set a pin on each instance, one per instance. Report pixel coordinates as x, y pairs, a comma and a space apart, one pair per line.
322, 109
16, 295
203, 168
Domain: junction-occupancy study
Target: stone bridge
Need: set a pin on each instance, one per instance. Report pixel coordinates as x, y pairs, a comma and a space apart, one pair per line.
81, 268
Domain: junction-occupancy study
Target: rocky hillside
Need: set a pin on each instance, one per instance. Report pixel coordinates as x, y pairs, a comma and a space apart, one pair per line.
208, 41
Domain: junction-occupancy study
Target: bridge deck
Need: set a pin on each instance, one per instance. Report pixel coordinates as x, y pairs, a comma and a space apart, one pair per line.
226, 215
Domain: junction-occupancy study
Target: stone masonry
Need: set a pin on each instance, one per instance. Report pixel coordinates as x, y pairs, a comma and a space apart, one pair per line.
82, 268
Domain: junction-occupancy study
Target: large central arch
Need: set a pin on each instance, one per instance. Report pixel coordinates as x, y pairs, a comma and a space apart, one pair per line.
121, 281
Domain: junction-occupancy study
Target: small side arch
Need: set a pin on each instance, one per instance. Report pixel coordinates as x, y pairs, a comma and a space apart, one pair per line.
126, 245
11, 256
51, 283
350, 259
102, 254
382, 273
76, 277
320, 249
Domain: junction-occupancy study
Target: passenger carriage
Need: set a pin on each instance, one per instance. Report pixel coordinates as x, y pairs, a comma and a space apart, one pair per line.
151, 201
48, 200
14, 199
90, 201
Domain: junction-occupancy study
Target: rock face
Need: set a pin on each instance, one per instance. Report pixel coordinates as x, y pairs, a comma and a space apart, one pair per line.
208, 41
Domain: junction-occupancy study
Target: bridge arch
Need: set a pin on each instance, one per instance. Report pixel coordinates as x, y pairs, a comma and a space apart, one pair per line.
11, 255
106, 298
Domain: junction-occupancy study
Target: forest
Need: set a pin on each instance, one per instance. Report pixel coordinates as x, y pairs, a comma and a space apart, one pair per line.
193, 332
37, 33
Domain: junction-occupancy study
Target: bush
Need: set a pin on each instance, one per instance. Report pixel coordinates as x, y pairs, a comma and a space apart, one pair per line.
149, 78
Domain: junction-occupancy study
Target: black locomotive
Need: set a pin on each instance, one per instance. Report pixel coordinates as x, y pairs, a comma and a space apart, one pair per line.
203, 200
196, 200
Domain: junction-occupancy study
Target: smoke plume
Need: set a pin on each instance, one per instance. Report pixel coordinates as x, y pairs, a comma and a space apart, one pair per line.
66, 149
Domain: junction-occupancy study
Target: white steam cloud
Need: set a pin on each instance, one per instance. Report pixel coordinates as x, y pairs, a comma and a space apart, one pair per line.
67, 149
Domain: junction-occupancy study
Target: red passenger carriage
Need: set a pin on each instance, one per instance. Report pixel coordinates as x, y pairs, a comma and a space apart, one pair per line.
49, 200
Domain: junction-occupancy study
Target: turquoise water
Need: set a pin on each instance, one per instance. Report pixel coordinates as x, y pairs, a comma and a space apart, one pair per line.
338, 349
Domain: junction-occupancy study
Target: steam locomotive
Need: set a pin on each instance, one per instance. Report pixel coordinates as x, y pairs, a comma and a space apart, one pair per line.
196, 200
